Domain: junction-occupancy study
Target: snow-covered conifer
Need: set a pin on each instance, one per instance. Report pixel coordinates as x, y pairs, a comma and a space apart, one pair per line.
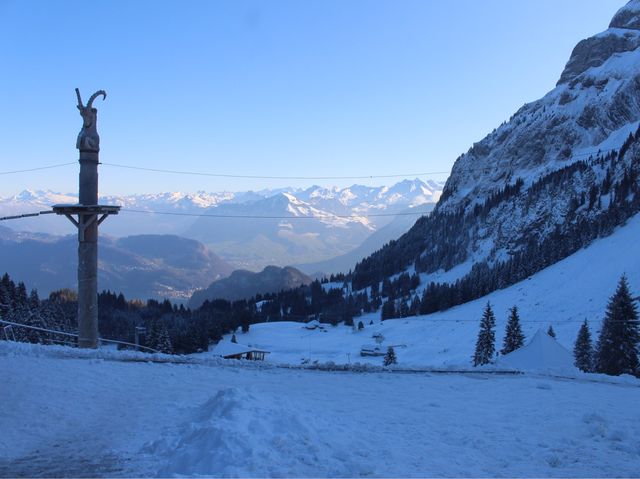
513, 337
164, 341
390, 357
583, 349
619, 336
485, 345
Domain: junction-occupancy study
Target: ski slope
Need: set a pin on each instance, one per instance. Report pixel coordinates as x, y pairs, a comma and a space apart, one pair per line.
70, 413
562, 295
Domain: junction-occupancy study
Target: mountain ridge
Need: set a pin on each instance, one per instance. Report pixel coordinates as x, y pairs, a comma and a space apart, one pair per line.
242, 284
336, 219
142, 267
559, 169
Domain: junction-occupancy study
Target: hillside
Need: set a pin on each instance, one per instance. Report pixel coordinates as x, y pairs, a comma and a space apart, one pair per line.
246, 284
146, 266
563, 295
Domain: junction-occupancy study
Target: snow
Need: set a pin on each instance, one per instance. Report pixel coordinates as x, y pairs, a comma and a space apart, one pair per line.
562, 295
542, 353
103, 417
109, 413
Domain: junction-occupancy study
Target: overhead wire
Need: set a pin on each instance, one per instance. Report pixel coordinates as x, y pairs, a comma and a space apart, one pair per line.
270, 177
28, 170
276, 217
275, 177
26, 215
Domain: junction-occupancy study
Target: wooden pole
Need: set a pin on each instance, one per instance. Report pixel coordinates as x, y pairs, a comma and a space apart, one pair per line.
88, 253
89, 145
90, 215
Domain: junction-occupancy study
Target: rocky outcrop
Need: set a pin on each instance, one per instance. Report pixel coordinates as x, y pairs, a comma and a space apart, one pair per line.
628, 16
622, 36
594, 51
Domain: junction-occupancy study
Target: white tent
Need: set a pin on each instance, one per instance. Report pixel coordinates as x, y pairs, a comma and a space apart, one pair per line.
542, 353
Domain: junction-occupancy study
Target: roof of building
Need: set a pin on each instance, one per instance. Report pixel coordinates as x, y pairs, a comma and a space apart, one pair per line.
227, 348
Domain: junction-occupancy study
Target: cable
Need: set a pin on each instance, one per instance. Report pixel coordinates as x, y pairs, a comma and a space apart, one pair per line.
355, 177
275, 217
38, 168
26, 215
266, 177
222, 175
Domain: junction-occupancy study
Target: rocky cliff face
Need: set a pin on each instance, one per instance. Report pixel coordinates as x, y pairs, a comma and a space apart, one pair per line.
593, 108
622, 36
556, 170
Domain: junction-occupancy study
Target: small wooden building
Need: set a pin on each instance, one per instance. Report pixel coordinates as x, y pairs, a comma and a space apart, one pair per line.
229, 350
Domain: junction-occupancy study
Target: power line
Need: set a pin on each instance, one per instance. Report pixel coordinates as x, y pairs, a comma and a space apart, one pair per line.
275, 217
355, 177
38, 168
26, 215
263, 177
267, 177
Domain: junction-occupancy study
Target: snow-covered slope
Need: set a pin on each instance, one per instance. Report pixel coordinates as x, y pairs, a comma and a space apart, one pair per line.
94, 417
562, 295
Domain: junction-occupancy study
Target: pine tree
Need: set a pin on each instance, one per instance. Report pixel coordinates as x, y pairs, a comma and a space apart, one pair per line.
388, 309
5, 300
153, 334
619, 335
390, 357
513, 337
164, 341
233, 339
583, 349
551, 332
34, 300
403, 310
360, 326
485, 345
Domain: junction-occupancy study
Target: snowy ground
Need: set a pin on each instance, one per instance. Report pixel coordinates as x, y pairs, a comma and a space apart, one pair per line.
563, 295
65, 416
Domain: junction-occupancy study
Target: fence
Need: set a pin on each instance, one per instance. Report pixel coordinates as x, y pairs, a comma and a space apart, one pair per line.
9, 325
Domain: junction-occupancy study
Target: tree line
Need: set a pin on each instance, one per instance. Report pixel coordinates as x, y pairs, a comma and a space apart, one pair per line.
614, 353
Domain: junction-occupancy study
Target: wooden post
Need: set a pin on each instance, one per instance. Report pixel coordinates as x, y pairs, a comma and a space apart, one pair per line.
88, 253
87, 222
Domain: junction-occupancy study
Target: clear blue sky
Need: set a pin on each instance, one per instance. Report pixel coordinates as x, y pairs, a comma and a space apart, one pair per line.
298, 88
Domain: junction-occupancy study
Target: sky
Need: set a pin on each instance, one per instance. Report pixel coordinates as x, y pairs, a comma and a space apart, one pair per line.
271, 88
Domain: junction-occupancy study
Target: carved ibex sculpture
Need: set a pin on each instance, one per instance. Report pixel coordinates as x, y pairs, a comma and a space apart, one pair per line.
88, 138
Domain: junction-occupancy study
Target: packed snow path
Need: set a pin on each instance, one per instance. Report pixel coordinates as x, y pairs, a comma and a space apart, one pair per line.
89, 417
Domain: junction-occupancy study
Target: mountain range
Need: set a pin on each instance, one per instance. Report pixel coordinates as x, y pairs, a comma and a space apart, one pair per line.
300, 225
